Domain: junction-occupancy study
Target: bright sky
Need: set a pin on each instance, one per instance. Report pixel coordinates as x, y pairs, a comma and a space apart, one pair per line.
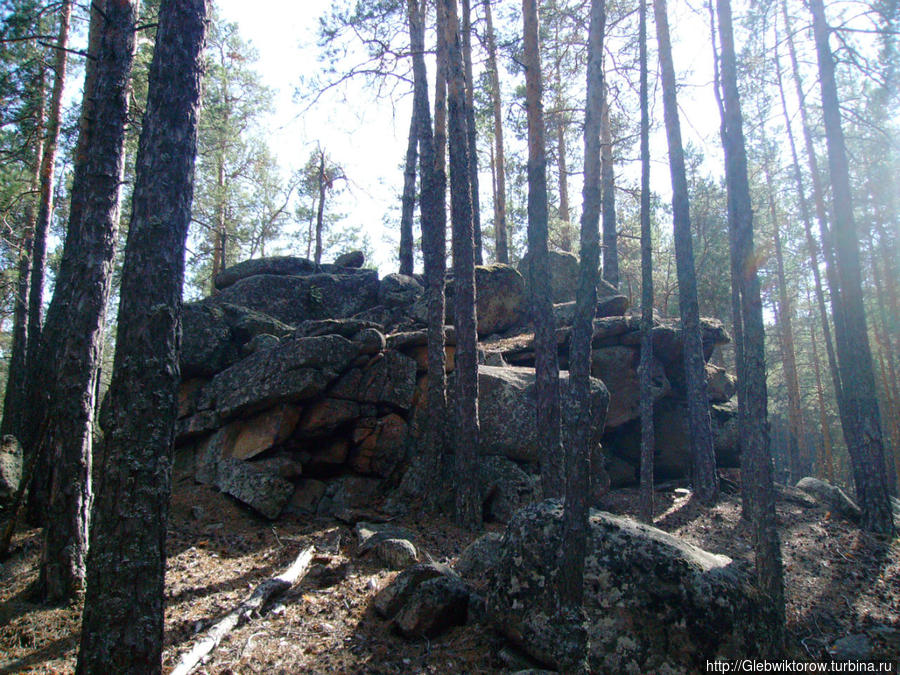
365, 138
368, 138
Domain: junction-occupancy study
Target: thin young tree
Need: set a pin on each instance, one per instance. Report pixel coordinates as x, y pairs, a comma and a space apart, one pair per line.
646, 364
578, 453
409, 198
63, 393
122, 627
541, 300
500, 235
703, 461
756, 460
608, 178
468, 502
862, 419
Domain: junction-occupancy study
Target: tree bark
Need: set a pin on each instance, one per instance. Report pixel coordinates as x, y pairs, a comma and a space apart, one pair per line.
862, 424
757, 460
72, 338
122, 628
471, 131
500, 234
541, 300
468, 501
576, 526
409, 199
703, 465
610, 237
646, 365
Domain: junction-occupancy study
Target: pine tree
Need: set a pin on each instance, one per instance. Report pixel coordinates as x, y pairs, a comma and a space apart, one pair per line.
122, 627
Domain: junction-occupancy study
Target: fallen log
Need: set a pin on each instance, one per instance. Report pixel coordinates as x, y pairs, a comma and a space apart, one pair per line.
242, 613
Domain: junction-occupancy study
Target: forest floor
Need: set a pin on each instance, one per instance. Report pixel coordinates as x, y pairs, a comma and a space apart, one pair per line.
839, 582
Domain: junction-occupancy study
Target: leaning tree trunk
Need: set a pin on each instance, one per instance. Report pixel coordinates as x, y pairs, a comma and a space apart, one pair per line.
471, 130
122, 628
610, 236
432, 210
541, 300
409, 199
757, 459
48, 166
500, 234
72, 339
703, 464
646, 364
468, 501
862, 424
578, 453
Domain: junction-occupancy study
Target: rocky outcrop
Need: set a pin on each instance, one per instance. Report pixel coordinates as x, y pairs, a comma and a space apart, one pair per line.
282, 265
310, 379
10, 468
508, 417
500, 298
831, 496
653, 602
351, 259
424, 600
292, 299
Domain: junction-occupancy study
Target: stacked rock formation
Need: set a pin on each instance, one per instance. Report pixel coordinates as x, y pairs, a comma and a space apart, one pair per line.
301, 384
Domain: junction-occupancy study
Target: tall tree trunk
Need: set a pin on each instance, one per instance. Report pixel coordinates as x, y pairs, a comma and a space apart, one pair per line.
735, 269
471, 131
320, 213
409, 199
811, 245
499, 157
72, 338
541, 300
757, 460
862, 424
786, 333
48, 167
468, 498
610, 237
831, 273
576, 526
646, 364
440, 93
703, 465
15, 397
122, 628
432, 209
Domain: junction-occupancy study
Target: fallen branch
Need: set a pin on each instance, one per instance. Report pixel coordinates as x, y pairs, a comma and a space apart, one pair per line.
242, 613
